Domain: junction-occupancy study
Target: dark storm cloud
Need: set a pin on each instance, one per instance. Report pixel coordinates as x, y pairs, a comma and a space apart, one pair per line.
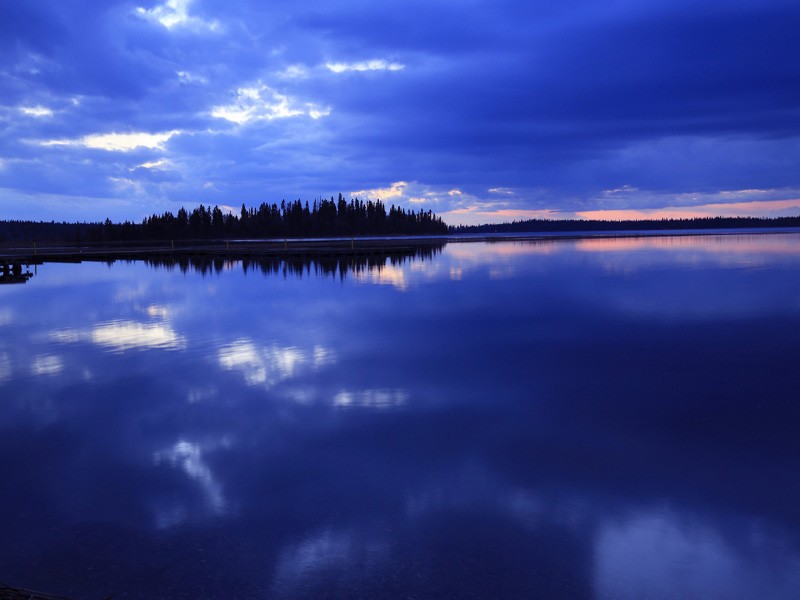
606, 85
554, 104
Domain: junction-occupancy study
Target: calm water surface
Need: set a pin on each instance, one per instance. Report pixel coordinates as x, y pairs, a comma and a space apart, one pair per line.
577, 419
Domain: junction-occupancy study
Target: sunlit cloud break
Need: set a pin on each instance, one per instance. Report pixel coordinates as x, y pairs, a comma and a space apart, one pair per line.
175, 13
36, 111
412, 193
367, 65
262, 103
153, 164
395, 190
118, 142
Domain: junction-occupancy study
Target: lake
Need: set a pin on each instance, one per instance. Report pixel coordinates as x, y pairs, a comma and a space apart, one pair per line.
587, 418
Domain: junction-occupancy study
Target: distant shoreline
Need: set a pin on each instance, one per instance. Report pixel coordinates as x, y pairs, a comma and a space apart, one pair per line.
615, 233
589, 225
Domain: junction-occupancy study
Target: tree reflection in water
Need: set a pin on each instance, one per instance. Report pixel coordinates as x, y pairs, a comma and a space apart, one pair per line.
320, 263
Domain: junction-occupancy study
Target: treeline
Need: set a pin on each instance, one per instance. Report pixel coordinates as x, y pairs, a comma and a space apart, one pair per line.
326, 218
25, 231
546, 225
333, 218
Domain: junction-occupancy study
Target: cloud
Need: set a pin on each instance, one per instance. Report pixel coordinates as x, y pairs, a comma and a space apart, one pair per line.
497, 213
293, 72
175, 14
154, 164
261, 103
501, 191
395, 190
118, 142
547, 107
189, 78
761, 208
36, 111
362, 66
625, 189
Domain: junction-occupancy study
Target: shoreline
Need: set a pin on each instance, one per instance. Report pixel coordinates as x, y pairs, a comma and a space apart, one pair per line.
313, 248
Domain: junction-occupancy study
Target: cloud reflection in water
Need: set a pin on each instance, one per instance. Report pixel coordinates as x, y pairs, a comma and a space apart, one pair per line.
157, 311
47, 364
659, 555
271, 364
551, 411
5, 367
120, 336
188, 457
380, 399
384, 275
346, 555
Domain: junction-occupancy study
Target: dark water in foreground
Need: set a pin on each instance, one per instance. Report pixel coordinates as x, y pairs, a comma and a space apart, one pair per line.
582, 419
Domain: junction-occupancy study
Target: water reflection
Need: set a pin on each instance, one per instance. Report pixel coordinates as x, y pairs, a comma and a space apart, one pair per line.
120, 336
188, 457
663, 555
269, 365
346, 557
47, 365
788, 244
319, 262
5, 367
14, 272
548, 419
380, 399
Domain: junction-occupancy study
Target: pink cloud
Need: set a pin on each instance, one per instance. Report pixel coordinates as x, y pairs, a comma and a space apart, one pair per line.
764, 208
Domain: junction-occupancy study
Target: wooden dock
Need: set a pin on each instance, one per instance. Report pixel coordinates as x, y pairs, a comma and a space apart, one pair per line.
10, 593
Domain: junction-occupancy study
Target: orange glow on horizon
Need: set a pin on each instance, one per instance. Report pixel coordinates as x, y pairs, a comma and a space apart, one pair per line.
476, 215
753, 208
482, 214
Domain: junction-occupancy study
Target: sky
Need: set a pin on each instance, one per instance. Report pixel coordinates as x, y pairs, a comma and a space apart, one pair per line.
482, 111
